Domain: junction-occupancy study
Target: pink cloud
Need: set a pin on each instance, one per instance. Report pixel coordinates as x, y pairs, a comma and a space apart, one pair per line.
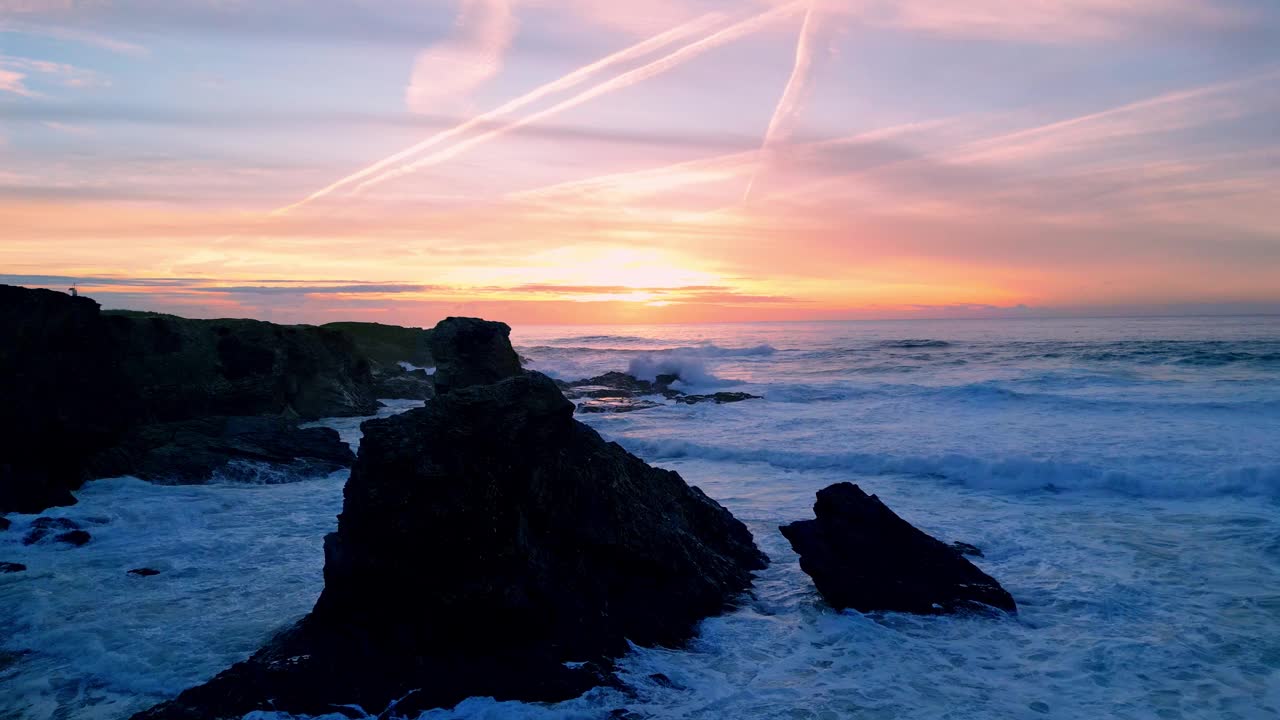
443, 75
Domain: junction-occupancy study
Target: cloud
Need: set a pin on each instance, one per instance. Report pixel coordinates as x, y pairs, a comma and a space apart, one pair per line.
16, 72
301, 289
12, 82
736, 31
566, 82
445, 74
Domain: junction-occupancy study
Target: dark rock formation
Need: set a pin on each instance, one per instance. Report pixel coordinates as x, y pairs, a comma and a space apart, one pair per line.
863, 556
610, 392
621, 383
191, 368
469, 351
43, 527
4, 524
77, 381
11, 567
74, 537
606, 404
394, 382
965, 548
718, 398
229, 448
486, 540
388, 345
144, 572
62, 389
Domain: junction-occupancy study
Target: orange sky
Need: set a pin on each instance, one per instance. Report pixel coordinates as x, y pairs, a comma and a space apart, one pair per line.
547, 161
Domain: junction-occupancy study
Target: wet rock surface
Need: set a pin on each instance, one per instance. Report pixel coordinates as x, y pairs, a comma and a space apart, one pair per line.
12, 567
470, 351
861, 555
395, 382
486, 540
227, 448
606, 404
616, 392
77, 381
47, 527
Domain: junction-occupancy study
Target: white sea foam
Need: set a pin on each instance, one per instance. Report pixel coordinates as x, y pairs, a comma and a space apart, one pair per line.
1121, 477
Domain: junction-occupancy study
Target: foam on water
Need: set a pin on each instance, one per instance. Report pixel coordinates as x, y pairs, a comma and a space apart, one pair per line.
1122, 477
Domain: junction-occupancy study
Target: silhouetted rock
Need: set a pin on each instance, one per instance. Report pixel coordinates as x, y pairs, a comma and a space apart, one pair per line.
470, 351
486, 540
259, 449
387, 345
144, 572
185, 368
863, 556
965, 548
394, 382
74, 537
43, 527
11, 567
616, 405
77, 381
718, 398
4, 524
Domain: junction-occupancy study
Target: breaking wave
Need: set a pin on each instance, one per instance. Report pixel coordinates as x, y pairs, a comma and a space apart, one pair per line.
1008, 474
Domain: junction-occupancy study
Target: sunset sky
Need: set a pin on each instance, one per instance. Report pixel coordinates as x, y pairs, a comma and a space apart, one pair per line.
669, 160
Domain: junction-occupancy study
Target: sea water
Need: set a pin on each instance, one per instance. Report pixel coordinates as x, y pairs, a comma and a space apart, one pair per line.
1121, 476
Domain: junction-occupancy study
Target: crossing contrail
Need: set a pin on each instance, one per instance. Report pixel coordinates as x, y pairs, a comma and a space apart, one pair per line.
639, 50
625, 80
792, 95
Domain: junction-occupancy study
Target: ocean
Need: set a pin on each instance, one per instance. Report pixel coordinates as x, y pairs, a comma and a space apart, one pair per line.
1122, 477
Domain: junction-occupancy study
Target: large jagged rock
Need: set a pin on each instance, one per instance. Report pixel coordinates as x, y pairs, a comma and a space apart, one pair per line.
470, 351
256, 448
63, 393
387, 345
486, 540
76, 381
861, 555
185, 368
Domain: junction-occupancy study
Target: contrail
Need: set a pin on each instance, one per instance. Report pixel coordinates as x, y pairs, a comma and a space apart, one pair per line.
693, 27
792, 95
625, 80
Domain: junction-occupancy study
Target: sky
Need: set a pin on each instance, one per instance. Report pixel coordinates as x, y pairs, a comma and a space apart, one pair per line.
595, 161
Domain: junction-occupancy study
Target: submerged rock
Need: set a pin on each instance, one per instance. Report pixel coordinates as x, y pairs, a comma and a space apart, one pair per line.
611, 392
491, 545
4, 524
11, 567
144, 572
201, 450
43, 527
616, 405
718, 398
77, 538
470, 351
863, 556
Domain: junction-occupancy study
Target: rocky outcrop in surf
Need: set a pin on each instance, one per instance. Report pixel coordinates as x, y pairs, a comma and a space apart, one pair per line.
78, 381
491, 545
470, 351
861, 555
616, 392
395, 382
257, 449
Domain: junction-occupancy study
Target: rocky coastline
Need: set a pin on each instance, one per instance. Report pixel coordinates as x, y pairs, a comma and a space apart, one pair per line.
489, 544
